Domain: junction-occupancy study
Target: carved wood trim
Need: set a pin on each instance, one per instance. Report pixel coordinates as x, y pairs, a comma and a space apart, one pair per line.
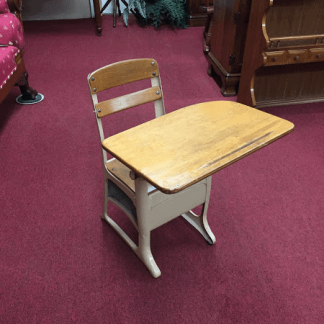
254, 47
264, 23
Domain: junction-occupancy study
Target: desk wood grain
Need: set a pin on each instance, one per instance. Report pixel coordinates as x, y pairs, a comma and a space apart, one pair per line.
181, 148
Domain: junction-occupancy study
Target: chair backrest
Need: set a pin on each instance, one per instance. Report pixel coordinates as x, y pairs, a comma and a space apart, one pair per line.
121, 73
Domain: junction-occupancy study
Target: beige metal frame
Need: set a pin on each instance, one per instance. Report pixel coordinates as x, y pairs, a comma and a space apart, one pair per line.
146, 207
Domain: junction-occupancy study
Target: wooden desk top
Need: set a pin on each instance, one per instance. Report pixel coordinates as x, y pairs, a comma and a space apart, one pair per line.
181, 148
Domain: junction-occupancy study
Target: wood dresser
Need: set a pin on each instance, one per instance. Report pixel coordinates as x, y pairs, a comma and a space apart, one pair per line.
227, 42
277, 50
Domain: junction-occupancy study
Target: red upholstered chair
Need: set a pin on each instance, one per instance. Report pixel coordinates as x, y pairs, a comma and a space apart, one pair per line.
12, 67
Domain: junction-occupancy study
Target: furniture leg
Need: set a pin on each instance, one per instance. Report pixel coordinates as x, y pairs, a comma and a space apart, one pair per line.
28, 95
144, 231
208, 28
27, 92
97, 16
201, 225
105, 6
105, 207
114, 13
111, 222
200, 222
228, 82
118, 7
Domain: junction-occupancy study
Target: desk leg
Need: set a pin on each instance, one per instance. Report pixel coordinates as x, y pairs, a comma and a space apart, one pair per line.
200, 222
97, 16
144, 232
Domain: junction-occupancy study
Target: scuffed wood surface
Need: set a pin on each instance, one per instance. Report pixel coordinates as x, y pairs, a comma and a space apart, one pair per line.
179, 149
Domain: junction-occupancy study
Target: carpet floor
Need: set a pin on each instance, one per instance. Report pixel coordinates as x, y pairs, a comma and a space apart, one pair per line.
60, 263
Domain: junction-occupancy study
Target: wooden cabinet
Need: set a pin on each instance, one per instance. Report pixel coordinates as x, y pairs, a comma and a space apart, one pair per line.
284, 53
227, 42
197, 12
272, 49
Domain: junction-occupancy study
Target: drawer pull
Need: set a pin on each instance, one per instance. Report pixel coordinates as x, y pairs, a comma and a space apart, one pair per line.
275, 59
297, 58
318, 56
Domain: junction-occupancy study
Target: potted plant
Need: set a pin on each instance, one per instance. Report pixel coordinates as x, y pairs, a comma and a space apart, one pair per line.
155, 12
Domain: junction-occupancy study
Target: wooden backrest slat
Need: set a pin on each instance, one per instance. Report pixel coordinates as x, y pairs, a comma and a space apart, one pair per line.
121, 73
114, 105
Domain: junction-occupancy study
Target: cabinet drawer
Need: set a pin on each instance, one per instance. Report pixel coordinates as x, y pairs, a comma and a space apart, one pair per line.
293, 56
274, 58
316, 54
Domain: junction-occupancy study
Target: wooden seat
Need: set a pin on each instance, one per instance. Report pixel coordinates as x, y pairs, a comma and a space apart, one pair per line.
121, 172
146, 207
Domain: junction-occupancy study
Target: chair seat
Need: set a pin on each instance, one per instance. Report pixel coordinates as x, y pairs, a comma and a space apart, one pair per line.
121, 172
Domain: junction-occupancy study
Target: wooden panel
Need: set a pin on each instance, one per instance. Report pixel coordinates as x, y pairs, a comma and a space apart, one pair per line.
114, 105
120, 73
229, 32
255, 45
289, 84
294, 18
179, 149
292, 34
293, 56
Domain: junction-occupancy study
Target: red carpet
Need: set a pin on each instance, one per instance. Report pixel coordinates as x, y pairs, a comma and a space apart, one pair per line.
61, 264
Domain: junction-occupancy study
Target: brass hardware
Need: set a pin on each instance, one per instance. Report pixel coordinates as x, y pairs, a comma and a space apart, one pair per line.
318, 56
297, 58
275, 59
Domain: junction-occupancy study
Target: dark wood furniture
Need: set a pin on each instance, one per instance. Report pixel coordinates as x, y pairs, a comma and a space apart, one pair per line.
227, 41
198, 12
284, 53
97, 10
208, 27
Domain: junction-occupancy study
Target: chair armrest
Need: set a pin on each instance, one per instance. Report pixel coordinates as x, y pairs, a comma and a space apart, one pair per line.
15, 7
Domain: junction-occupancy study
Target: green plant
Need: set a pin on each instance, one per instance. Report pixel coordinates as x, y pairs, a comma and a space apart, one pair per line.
154, 12
136, 7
